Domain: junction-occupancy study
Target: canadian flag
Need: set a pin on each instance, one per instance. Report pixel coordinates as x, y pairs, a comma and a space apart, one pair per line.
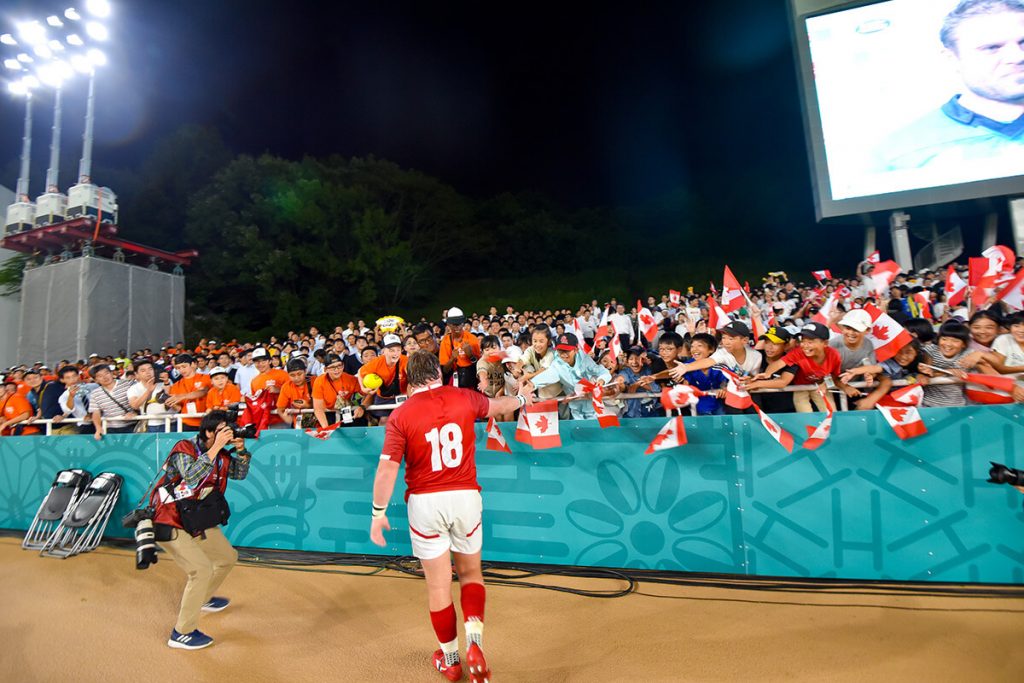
675, 298
679, 396
820, 275
816, 436
875, 257
603, 328
717, 317
1013, 294
671, 435
323, 433
900, 410
732, 295
887, 336
1003, 389
956, 288
648, 327
580, 342
883, 275
1000, 263
844, 292
826, 311
925, 305
538, 425
604, 418
495, 441
257, 411
735, 395
784, 438
981, 279
615, 346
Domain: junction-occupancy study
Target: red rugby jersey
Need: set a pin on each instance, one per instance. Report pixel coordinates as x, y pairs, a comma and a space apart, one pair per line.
434, 432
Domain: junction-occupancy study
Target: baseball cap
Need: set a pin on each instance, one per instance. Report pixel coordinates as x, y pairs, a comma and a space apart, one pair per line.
455, 316
31, 371
94, 355
814, 331
567, 342
513, 354
392, 340
332, 359
183, 358
778, 335
857, 319
736, 329
218, 371
259, 352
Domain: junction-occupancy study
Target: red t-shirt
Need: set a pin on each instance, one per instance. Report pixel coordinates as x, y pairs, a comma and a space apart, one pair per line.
434, 432
809, 372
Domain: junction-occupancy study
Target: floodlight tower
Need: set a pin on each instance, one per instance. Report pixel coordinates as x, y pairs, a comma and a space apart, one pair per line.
52, 205
21, 214
86, 198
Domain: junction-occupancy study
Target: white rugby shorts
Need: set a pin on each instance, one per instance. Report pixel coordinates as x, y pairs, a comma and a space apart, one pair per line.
445, 520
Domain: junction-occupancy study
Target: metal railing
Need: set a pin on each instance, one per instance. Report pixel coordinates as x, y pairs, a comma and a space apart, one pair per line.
176, 420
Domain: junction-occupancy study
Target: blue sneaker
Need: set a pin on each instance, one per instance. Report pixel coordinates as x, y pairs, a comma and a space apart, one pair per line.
216, 604
196, 640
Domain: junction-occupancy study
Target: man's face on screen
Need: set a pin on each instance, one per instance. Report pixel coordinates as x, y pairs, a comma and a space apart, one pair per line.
990, 55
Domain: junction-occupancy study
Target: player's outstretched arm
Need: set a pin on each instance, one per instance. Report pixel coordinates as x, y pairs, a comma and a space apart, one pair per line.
383, 487
506, 405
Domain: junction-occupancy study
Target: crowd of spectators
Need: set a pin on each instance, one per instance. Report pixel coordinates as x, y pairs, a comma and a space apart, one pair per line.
353, 373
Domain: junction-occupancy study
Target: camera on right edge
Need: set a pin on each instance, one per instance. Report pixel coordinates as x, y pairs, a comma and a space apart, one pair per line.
1001, 474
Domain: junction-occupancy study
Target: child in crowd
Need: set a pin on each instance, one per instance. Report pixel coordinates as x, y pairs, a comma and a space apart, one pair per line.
636, 379
774, 344
710, 380
295, 397
950, 354
489, 369
1007, 355
223, 393
904, 365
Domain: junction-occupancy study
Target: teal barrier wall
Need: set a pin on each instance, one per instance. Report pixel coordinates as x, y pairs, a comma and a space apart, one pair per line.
864, 506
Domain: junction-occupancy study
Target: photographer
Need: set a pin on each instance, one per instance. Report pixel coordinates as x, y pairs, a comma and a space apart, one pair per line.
189, 507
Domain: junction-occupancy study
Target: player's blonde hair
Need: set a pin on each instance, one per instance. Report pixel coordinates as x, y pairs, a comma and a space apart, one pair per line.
423, 368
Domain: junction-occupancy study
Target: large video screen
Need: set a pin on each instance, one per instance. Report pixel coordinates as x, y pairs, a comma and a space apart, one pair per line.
911, 102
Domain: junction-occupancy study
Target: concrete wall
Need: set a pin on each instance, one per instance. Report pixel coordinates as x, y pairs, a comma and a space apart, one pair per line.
10, 306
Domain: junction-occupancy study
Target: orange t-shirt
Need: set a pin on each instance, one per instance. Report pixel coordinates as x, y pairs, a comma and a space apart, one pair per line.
223, 398
23, 388
445, 351
13, 406
379, 366
291, 392
275, 377
328, 390
195, 405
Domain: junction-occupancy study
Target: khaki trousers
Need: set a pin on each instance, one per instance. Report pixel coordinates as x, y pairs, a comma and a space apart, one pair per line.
802, 402
206, 562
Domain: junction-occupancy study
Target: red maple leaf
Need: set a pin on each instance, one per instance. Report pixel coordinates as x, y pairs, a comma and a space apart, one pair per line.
771, 427
899, 414
661, 438
880, 332
542, 424
646, 319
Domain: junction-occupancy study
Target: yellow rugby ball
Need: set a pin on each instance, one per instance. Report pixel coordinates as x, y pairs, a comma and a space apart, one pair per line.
372, 381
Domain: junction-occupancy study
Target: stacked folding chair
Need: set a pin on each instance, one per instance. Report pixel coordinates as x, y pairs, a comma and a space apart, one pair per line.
81, 528
68, 486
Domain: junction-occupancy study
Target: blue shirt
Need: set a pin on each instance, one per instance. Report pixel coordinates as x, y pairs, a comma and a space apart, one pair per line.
640, 407
569, 377
712, 381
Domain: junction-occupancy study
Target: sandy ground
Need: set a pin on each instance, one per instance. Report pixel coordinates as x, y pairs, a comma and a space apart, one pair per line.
96, 618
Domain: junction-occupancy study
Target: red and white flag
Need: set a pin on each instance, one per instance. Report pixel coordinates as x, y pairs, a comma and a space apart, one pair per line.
816, 436
989, 389
615, 346
981, 279
883, 274
258, 410
924, 304
671, 435
826, 311
887, 336
820, 275
648, 327
900, 410
1013, 293
956, 288
500, 356
784, 438
1000, 263
323, 433
844, 292
679, 396
675, 298
875, 257
732, 295
717, 317
495, 441
603, 327
735, 395
604, 417
580, 341
538, 425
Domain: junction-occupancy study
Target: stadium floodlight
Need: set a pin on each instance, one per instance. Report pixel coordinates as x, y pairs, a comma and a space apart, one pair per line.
96, 57
30, 82
81, 64
17, 88
8, 39
25, 58
98, 8
72, 14
43, 51
54, 21
32, 32
50, 75
96, 30
74, 39
12, 64
56, 46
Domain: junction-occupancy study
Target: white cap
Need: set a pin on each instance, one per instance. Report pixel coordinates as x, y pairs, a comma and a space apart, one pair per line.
858, 319
513, 354
455, 315
392, 340
259, 353
218, 371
